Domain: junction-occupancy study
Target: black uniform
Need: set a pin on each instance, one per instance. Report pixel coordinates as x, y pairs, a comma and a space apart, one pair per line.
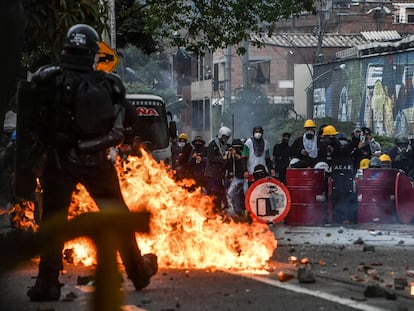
81, 115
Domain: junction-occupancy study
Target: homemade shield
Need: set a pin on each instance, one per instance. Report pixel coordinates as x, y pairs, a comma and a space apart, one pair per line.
404, 198
268, 200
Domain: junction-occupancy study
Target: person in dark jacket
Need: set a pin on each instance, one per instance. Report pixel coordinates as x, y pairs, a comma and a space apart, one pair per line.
198, 161
217, 159
402, 155
330, 148
184, 151
238, 184
281, 157
83, 114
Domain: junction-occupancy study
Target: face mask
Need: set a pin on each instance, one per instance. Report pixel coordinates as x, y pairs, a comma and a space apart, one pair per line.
181, 144
309, 136
257, 135
328, 140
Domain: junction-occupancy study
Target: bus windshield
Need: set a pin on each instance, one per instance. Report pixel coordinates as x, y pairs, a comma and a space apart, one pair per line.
152, 123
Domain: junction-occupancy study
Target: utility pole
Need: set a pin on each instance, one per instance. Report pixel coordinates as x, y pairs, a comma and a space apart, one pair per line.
246, 65
227, 81
112, 24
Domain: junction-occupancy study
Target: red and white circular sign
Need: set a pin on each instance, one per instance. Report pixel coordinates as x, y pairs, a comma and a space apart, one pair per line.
268, 200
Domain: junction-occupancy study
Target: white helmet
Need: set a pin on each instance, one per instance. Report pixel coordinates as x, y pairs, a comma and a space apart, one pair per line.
224, 131
323, 166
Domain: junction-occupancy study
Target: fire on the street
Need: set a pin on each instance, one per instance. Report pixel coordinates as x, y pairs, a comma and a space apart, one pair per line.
185, 232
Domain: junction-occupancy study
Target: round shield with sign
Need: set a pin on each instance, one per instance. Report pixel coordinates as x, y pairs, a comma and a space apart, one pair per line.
268, 200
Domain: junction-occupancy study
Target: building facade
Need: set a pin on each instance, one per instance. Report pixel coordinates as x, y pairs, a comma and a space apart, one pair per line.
284, 68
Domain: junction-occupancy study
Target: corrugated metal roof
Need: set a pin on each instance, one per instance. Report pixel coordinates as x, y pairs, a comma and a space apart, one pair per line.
381, 35
377, 47
311, 41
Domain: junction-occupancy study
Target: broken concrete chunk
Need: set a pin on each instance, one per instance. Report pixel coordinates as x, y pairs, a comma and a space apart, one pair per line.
305, 275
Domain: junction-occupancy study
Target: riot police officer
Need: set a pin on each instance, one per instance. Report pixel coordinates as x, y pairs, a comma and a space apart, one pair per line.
82, 113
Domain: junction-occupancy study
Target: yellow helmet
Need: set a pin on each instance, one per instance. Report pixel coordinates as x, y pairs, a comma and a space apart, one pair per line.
183, 136
385, 158
309, 123
364, 164
329, 130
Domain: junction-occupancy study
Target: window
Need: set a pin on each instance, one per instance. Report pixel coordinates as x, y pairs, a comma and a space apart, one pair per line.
259, 71
201, 114
216, 77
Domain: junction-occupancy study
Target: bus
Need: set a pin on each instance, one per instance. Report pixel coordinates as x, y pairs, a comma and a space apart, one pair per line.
154, 126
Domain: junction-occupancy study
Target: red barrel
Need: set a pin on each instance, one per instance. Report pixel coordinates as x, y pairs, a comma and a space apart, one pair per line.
307, 193
376, 196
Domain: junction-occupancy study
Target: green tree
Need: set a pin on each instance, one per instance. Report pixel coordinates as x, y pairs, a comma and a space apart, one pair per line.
46, 22
248, 108
198, 26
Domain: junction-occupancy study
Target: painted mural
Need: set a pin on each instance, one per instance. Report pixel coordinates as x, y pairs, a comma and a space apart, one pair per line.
375, 91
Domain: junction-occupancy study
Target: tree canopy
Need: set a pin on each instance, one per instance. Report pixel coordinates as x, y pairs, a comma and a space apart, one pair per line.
198, 26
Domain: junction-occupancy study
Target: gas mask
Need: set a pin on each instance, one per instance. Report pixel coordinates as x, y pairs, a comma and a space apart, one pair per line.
225, 138
181, 144
257, 135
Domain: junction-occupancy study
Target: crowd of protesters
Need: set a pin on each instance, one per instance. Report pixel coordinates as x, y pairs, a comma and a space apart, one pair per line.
226, 167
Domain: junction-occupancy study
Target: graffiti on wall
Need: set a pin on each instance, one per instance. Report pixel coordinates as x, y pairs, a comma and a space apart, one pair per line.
375, 91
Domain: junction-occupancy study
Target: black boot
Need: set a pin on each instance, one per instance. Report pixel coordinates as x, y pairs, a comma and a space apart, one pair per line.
45, 290
149, 268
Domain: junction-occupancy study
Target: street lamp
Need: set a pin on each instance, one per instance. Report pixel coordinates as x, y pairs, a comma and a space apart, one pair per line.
309, 90
314, 79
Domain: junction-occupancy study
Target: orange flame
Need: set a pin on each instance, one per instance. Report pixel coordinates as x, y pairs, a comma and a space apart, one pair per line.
185, 232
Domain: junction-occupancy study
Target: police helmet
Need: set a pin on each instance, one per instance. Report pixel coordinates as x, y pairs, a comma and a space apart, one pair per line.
224, 131
82, 37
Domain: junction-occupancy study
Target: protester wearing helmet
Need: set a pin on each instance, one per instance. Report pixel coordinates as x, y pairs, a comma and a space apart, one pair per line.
330, 148
256, 151
84, 114
402, 155
305, 148
198, 161
386, 161
183, 156
217, 158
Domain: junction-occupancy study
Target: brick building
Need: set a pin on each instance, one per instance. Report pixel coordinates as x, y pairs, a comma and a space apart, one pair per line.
283, 69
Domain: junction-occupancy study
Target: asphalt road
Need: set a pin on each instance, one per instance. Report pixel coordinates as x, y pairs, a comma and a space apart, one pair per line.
341, 260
